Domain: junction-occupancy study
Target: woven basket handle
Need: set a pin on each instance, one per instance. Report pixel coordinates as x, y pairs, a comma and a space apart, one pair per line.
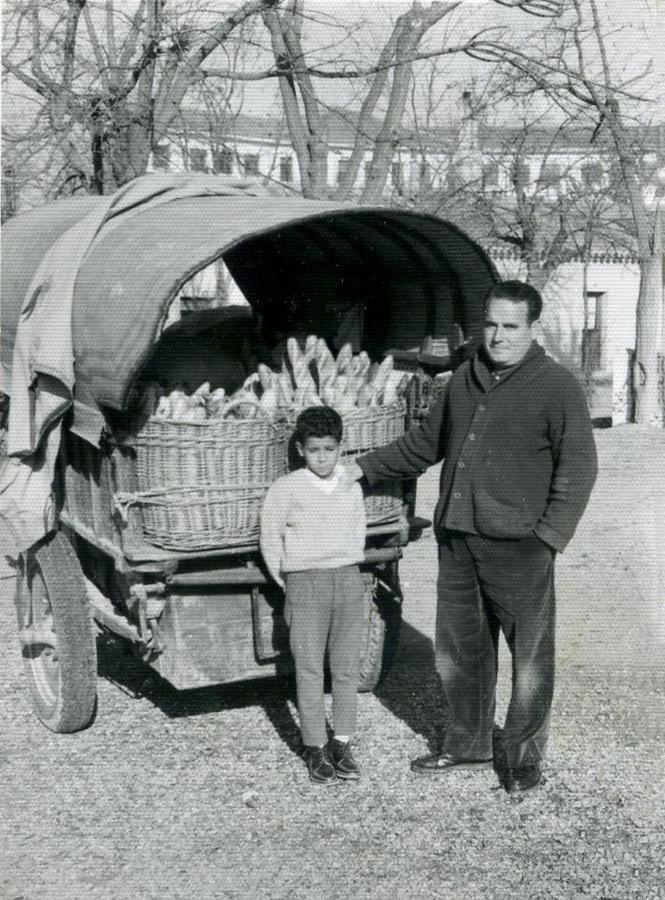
241, 401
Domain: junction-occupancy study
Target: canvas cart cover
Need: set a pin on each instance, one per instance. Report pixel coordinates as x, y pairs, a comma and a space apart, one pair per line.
86, 283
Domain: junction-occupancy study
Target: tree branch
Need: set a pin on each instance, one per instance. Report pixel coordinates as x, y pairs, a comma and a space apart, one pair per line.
544, 9
102, 63
110, 34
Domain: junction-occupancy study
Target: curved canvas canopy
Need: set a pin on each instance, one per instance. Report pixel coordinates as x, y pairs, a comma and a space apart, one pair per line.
284, 253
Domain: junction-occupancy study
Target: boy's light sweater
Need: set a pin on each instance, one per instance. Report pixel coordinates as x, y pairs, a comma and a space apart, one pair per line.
309, 522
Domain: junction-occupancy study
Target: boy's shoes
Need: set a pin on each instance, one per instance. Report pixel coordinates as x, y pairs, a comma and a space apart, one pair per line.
523, 780
345, 765
320, 768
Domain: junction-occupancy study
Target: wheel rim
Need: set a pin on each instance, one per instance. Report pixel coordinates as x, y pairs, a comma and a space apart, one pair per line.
39, 640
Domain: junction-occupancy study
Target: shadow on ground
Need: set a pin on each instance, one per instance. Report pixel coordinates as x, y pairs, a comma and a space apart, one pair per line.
411, 689
118, 664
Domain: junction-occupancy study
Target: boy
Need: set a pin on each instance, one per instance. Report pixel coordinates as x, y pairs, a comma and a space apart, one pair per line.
312, 539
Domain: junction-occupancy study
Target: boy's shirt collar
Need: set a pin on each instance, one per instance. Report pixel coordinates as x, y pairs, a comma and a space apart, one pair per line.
327, 485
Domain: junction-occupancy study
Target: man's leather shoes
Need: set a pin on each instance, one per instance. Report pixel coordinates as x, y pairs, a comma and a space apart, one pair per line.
523, 780
438, 763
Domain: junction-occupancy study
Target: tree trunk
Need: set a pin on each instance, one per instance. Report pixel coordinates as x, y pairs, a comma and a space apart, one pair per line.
647, 401
536, 275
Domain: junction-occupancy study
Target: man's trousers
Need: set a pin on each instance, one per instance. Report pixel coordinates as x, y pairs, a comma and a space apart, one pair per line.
325, 608
486, 585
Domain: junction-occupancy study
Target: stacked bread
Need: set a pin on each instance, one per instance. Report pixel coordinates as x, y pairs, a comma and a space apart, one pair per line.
310, 376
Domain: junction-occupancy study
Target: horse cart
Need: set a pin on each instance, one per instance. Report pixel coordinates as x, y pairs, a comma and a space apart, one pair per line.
151, 562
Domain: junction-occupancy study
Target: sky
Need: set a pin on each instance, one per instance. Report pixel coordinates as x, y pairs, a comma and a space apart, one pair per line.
358, 28
636, 41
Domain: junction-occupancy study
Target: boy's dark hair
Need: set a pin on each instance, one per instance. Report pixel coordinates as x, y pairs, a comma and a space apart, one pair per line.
518, 292
319, 421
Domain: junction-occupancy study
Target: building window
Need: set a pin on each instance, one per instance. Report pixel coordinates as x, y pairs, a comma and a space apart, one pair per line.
550, 175
286, 169
222, 161
396, 176
424, 176
250, 163
592, 174
490, 175
591, 334
160, 156
591, 310
197, 160
342, 169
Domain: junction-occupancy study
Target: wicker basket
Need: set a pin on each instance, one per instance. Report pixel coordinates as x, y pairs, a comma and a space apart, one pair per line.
366, 429
201, 485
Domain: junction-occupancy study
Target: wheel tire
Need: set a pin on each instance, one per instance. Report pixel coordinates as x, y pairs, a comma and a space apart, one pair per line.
384, 619
57, 636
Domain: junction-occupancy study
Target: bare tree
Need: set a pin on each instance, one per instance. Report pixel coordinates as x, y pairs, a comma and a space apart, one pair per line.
541, 192
605, 100
112, 83
389, 81
578, 74
112, 80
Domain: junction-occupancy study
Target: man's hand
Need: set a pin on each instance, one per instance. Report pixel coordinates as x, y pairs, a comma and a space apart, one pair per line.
353, 471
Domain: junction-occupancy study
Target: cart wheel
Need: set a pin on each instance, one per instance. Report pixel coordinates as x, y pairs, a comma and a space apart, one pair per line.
384, 620
57, 636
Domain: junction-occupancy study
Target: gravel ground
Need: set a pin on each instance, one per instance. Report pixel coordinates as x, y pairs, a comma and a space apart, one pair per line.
201, 794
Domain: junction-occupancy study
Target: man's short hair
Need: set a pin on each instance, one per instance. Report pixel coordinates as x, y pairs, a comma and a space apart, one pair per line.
518, 292
319, 421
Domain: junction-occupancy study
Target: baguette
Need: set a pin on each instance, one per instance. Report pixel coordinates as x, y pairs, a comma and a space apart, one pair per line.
203, 390
311, 398
382, 376
193, 414
179, 404
251, 383
163, 410
344, 358
293, 352
302, 376
284, 389
269, 401
328, 394
327, 372
366, 396
215, 403
355, 385
310, 347
266, 376
363, 365
323, 354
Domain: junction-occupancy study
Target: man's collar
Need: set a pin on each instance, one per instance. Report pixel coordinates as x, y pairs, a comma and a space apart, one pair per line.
489, 376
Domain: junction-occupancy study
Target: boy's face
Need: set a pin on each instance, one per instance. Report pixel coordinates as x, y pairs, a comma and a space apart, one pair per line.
321, 455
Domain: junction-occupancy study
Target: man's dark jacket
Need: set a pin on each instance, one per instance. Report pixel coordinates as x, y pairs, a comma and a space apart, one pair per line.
518, 451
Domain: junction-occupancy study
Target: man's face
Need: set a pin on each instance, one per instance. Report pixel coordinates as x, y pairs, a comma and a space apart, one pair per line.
321, 455
507, 334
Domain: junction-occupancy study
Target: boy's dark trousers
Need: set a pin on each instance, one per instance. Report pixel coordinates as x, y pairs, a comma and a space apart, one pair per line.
486, 585
325, 607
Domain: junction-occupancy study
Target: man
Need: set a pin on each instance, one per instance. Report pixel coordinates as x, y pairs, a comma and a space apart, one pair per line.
519, 462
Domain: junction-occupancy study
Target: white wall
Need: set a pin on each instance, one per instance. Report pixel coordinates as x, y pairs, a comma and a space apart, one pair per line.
562, 321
